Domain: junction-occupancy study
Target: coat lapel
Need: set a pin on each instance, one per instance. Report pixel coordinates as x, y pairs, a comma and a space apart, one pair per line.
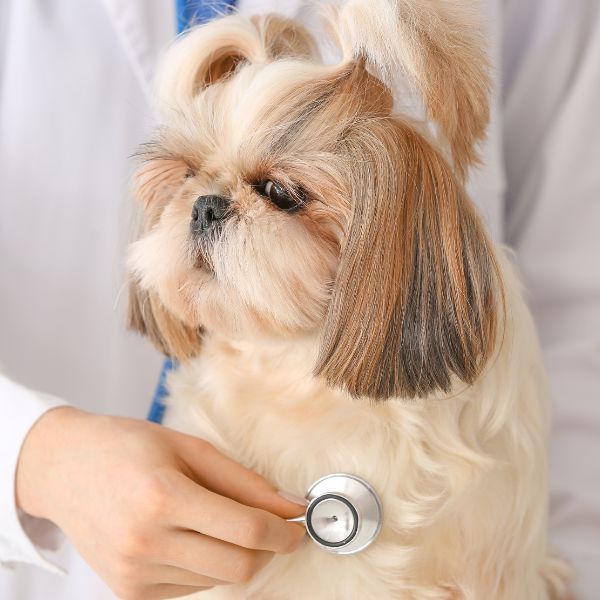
144, 29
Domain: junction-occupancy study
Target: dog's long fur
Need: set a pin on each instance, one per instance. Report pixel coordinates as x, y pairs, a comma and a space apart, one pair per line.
375, 330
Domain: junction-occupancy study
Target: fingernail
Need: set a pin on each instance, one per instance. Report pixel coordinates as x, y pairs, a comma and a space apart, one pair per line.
293, 498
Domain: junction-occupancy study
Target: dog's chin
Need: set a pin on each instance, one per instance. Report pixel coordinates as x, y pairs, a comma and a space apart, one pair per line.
221, 299
220, 309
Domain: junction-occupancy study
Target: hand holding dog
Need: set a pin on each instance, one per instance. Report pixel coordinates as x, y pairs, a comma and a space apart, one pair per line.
156, 513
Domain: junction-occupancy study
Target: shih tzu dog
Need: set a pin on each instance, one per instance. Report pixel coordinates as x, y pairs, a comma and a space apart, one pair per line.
310, 256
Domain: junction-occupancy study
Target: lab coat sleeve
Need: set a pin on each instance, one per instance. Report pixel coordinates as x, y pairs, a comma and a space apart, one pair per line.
551, 95
23, 538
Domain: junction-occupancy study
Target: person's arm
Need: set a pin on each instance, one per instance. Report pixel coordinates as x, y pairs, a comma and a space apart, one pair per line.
552, 149
21, 536
156, 513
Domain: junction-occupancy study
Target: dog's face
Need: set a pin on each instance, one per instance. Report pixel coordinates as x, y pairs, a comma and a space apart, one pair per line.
247, 239
282, 197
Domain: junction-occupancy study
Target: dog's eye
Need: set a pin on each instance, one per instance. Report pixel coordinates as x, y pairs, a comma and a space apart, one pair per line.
279, 196
189, 173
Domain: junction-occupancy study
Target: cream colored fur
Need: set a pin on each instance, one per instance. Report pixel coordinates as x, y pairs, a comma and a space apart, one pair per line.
462, 478
461, 469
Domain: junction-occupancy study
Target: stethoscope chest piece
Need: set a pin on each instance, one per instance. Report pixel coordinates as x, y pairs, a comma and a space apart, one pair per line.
343, 515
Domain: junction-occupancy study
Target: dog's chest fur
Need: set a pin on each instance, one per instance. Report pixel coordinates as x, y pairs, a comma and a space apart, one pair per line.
259, 404
441, 467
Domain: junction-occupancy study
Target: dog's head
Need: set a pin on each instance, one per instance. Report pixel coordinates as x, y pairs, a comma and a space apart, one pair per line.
284, 197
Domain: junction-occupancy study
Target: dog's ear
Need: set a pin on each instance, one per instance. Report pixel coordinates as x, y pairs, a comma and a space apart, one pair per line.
211, 52
417, 299
155, 182
147, 315
439, 46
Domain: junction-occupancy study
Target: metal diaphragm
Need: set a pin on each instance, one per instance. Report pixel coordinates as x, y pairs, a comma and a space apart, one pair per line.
344, 513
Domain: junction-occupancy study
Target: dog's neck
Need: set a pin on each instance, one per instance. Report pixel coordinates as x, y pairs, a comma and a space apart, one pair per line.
295, 355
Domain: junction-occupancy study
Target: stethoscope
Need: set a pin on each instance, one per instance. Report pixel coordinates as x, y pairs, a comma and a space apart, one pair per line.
343, 513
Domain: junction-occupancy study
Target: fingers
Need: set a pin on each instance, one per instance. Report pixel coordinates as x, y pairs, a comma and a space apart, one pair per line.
177, 576
219, 517
166, 590
226, 477
212, 558
146, 590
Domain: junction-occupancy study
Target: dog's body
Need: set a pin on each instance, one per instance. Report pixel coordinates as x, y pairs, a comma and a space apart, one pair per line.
313, 259
462, 479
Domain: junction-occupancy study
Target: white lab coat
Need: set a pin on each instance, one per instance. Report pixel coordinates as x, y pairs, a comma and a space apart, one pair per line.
75, 80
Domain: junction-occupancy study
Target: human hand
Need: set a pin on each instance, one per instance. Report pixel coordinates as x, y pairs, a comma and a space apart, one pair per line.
156, 513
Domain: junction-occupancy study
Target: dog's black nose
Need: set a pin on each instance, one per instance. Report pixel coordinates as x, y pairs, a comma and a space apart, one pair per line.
208, 211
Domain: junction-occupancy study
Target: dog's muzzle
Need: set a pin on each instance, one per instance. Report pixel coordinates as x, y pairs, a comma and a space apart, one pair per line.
208, 213
344, 513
